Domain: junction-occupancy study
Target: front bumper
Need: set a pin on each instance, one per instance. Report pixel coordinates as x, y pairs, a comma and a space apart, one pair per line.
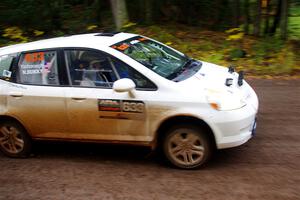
237, 139
236, 127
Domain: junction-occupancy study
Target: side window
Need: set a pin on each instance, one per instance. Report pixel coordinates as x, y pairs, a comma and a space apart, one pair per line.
5, 64
95, 69
125, 71
38, 68
90, 68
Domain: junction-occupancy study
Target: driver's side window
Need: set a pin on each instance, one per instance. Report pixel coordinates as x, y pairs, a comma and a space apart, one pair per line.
88, 68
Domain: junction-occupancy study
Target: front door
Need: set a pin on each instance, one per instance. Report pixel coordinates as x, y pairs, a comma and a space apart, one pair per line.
95, 111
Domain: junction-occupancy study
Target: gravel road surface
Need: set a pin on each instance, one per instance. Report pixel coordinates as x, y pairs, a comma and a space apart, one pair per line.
267, 167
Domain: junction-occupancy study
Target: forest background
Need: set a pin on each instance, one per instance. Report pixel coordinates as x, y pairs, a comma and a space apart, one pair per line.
261, 37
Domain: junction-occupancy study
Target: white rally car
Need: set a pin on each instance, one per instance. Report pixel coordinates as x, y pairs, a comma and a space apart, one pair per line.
121, 88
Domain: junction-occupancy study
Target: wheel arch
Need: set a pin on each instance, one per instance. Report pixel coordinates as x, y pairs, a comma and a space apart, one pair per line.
11, 118
183, 119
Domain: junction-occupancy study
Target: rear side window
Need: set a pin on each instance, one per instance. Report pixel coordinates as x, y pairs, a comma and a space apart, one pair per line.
5, 64
38, 68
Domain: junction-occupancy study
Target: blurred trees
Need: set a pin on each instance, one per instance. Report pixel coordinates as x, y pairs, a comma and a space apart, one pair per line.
284, 18
211, 30
256, 17
119, 11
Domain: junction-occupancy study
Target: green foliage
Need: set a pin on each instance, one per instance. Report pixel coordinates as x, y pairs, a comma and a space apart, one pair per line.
265, 47
15, 34
189, 28
91, 27
215, 57
73, 16
235, 34
294, 27
128, 25
38, 33
273, 56
267, 56
294, 22
236, 53
58, 33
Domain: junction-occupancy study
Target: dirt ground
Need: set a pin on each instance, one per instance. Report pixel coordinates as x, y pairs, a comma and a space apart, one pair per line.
267, 167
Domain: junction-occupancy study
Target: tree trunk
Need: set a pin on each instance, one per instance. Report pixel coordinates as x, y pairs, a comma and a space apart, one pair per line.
148, 11
256, 30
156, 11
236, 13
119, 11
276, 18
246, 17
221, 15
56, 8
98, 8
267, 18
284, 19
141, 8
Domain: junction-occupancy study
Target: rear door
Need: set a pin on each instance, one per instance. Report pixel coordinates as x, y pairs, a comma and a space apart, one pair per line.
37, 99
6, 62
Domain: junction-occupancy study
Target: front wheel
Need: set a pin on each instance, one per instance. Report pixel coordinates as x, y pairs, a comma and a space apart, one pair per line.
14, 140
187, 146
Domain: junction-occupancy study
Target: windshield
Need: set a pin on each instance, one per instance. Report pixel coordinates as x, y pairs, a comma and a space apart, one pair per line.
159, 58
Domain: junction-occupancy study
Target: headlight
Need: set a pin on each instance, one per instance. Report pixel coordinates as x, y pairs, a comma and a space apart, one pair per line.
224, 100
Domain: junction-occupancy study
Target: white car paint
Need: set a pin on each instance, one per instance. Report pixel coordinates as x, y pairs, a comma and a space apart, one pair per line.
231, 126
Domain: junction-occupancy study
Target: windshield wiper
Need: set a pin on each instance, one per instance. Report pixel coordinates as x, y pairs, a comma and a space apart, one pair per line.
187, 63
180, 69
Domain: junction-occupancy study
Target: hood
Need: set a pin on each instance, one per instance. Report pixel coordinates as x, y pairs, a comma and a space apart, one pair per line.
211, 79
211, 76
210, 82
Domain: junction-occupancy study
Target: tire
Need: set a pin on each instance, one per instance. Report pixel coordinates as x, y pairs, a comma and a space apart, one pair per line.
14, 140
187, 146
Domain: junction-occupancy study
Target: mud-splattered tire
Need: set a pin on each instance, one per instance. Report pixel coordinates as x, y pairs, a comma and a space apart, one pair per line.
187, 146
14, 140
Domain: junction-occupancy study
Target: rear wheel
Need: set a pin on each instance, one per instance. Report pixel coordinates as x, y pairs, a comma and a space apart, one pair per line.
14, 140
187, 146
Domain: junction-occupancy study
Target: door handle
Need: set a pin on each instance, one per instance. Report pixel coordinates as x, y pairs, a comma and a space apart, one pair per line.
78, 98
16, 94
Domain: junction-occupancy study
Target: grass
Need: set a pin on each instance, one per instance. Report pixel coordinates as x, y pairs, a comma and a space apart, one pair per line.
294, 22
256, 56
267, 56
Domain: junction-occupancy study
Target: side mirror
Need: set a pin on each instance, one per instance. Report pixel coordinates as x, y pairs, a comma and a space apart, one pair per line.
124, 85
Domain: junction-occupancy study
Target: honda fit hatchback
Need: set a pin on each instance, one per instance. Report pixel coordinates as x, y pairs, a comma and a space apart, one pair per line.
121, 88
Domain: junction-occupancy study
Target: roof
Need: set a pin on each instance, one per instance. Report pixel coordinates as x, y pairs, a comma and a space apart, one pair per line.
83, 40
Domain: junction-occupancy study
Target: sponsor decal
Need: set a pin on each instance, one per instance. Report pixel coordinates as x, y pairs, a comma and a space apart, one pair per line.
123, 47
134, 41
34, 57
6, 73
121, 106
109, 105
32, 69
36, 63
142, 39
